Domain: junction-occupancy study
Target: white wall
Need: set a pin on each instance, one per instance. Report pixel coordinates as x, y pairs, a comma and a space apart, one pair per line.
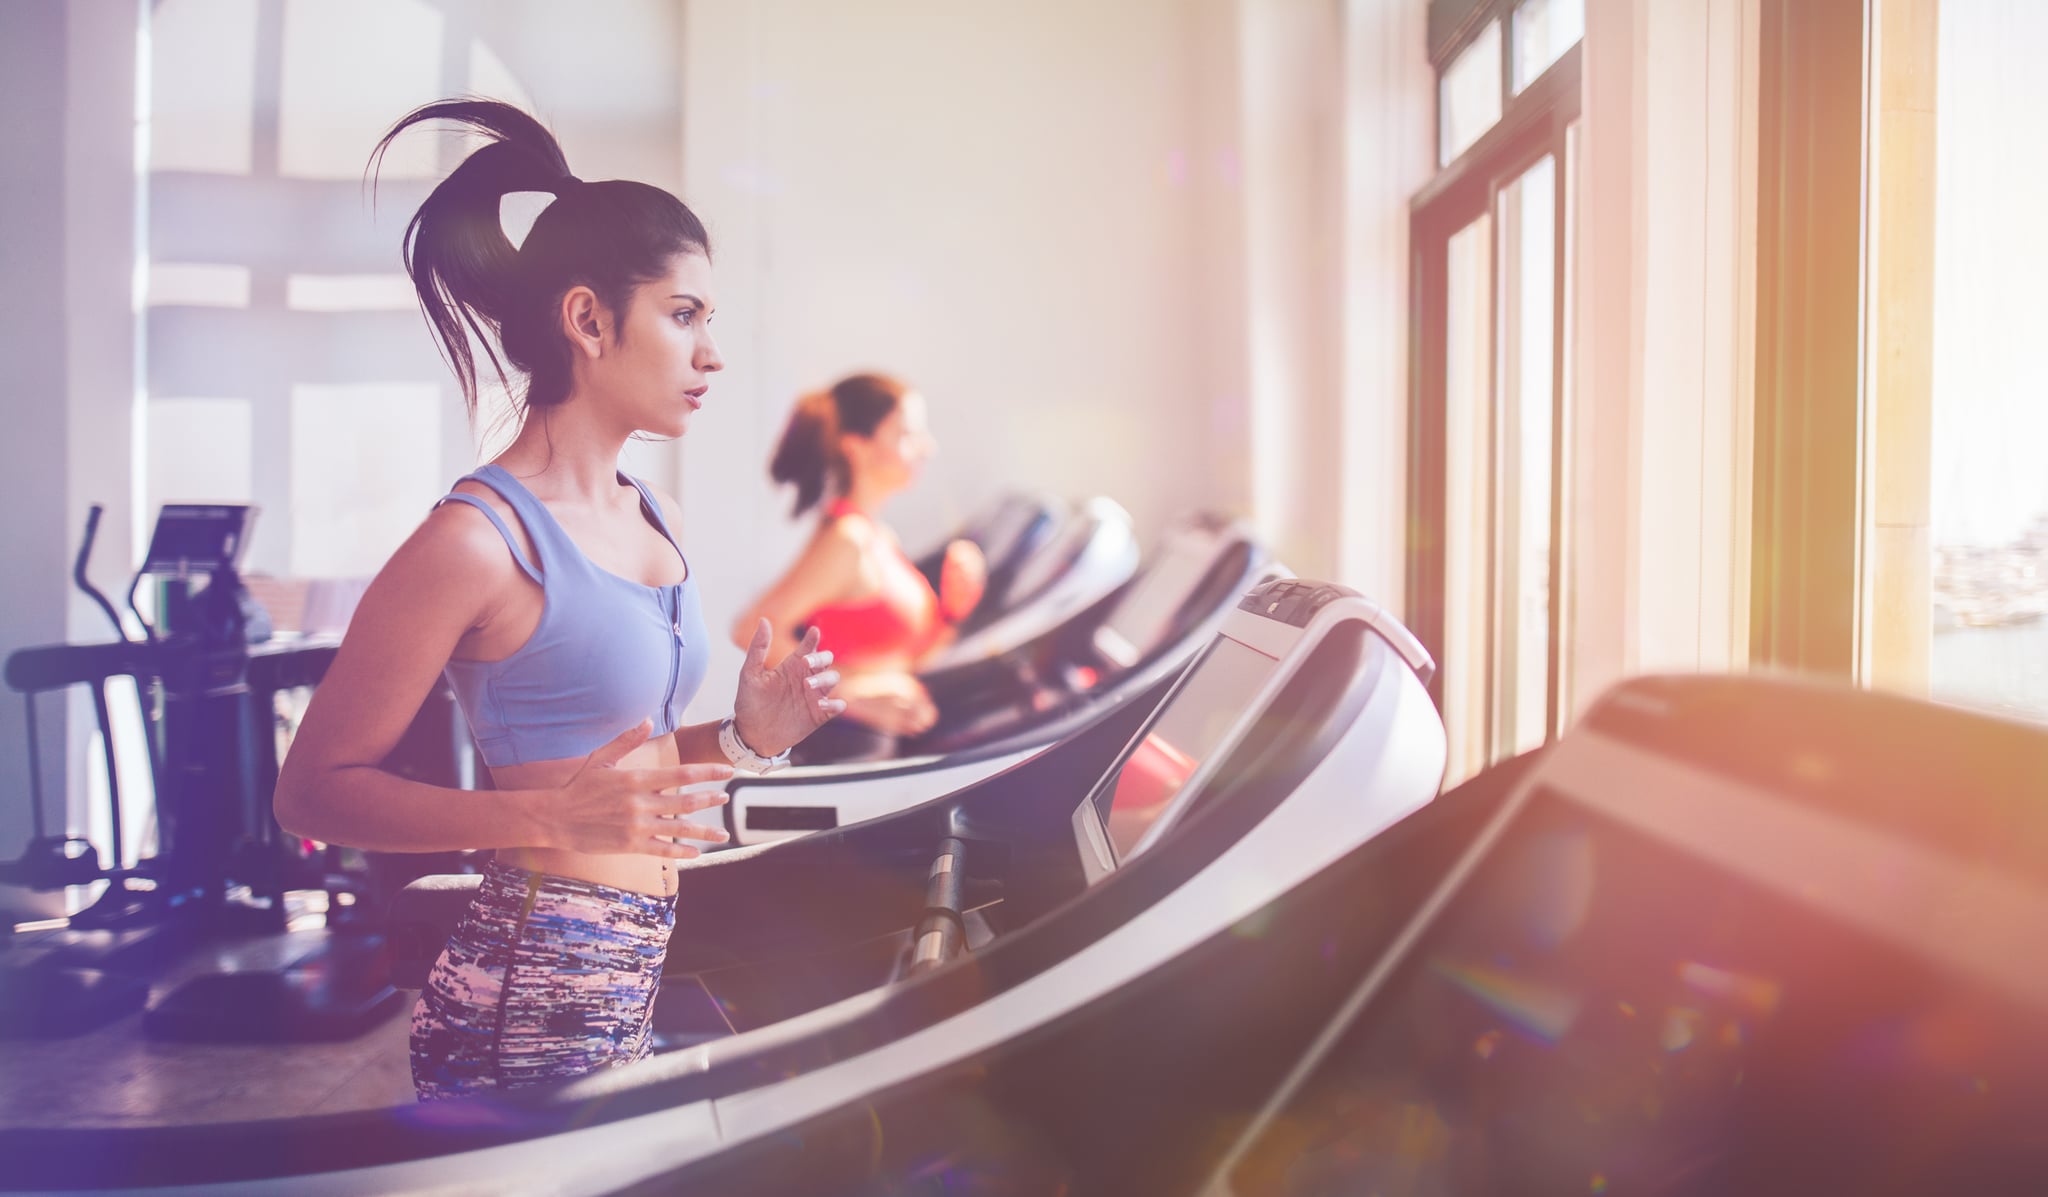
1292, 59
1030, 211
33, 327
1698, 369
1665, 314
1388, 130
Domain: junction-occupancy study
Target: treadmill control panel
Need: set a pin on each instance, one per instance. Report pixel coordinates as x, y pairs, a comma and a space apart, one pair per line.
1293, 601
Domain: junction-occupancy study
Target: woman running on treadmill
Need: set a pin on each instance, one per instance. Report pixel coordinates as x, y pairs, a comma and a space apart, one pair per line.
850, 449
551, 590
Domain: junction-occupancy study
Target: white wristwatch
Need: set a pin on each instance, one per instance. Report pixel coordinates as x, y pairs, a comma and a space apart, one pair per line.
743, 757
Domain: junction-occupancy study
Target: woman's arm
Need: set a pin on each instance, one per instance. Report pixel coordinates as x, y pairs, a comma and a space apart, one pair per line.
826, 571
450, 578
962, 579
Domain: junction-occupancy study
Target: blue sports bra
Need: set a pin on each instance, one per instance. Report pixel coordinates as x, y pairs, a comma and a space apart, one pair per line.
607, 653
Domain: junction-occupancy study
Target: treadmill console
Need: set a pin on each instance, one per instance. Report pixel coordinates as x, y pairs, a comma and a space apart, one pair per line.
1160, 771
1293, 601
198, 538
1144, 616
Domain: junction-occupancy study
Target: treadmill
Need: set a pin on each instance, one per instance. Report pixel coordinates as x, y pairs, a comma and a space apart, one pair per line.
1732, 935
1117, 656
909, 945
1094, 552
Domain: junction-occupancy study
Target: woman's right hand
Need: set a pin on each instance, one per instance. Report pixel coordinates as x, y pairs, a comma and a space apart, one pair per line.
962, 580
895, 704
609, 810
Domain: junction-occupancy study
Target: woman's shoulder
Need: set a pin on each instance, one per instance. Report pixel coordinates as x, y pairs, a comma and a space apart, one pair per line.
475, 488
839, 541
457, 538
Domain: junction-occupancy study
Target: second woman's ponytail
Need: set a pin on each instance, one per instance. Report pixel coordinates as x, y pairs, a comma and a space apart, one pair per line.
808, 453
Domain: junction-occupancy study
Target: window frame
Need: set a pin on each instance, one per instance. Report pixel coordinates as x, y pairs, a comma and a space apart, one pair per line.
1807, 541
1450, 32
1534, 123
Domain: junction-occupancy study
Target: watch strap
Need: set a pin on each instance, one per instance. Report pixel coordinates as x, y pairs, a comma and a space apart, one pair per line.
743, 757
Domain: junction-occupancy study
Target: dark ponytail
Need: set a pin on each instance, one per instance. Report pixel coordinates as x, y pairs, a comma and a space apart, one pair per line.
609, 236
808, 454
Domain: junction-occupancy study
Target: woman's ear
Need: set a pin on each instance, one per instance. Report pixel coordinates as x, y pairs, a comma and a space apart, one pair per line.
583, 320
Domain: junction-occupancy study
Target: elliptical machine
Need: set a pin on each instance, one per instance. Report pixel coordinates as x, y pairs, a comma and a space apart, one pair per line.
205, 675
52, 862
88, 970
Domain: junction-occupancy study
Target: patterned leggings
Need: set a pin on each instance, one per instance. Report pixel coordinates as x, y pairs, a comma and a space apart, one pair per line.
545, 978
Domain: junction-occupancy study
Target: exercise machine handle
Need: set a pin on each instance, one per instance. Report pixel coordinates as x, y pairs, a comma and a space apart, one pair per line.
92, 528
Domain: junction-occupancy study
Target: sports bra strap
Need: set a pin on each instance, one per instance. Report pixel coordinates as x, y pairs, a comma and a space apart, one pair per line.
511, 541
654, 508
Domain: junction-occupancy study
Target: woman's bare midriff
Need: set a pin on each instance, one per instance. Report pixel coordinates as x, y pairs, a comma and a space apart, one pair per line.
642, 874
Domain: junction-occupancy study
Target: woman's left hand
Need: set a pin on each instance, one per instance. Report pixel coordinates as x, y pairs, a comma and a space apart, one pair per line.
776, 708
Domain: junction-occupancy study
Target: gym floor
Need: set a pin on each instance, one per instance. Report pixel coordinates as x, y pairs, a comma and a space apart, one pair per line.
116, 1076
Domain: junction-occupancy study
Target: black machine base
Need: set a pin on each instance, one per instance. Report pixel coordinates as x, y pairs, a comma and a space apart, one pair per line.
337, 991
40, 1000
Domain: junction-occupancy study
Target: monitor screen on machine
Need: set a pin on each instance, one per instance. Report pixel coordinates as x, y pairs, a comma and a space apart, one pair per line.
198, 538
1149, 780
1143, 618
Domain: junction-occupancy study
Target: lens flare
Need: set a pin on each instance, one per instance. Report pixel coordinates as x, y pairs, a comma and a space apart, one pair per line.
1760, 994
1542, 1010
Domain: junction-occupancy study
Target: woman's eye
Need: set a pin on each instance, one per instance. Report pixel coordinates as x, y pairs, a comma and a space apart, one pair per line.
687, 316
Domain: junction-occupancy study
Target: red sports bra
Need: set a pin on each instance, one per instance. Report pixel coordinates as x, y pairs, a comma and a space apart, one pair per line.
901, 618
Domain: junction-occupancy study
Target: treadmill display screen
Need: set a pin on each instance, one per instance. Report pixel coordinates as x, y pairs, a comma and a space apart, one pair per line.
1180, 737
197, 537
1144, 616
1595, 1012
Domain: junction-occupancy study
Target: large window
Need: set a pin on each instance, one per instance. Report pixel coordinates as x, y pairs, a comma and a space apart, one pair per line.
1902, 504
1490, 403
286, 364
1989, 481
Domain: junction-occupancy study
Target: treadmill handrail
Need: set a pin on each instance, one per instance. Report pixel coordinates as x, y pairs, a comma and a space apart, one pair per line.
1052, 726
1111, 542
1227, 531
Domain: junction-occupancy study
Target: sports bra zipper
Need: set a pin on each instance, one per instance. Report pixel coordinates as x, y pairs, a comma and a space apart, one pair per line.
675, 657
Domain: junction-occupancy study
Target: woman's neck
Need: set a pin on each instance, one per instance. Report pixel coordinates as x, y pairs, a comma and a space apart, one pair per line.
866, 499
579, 460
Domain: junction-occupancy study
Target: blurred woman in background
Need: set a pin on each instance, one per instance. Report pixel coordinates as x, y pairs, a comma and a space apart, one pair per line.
848, 450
